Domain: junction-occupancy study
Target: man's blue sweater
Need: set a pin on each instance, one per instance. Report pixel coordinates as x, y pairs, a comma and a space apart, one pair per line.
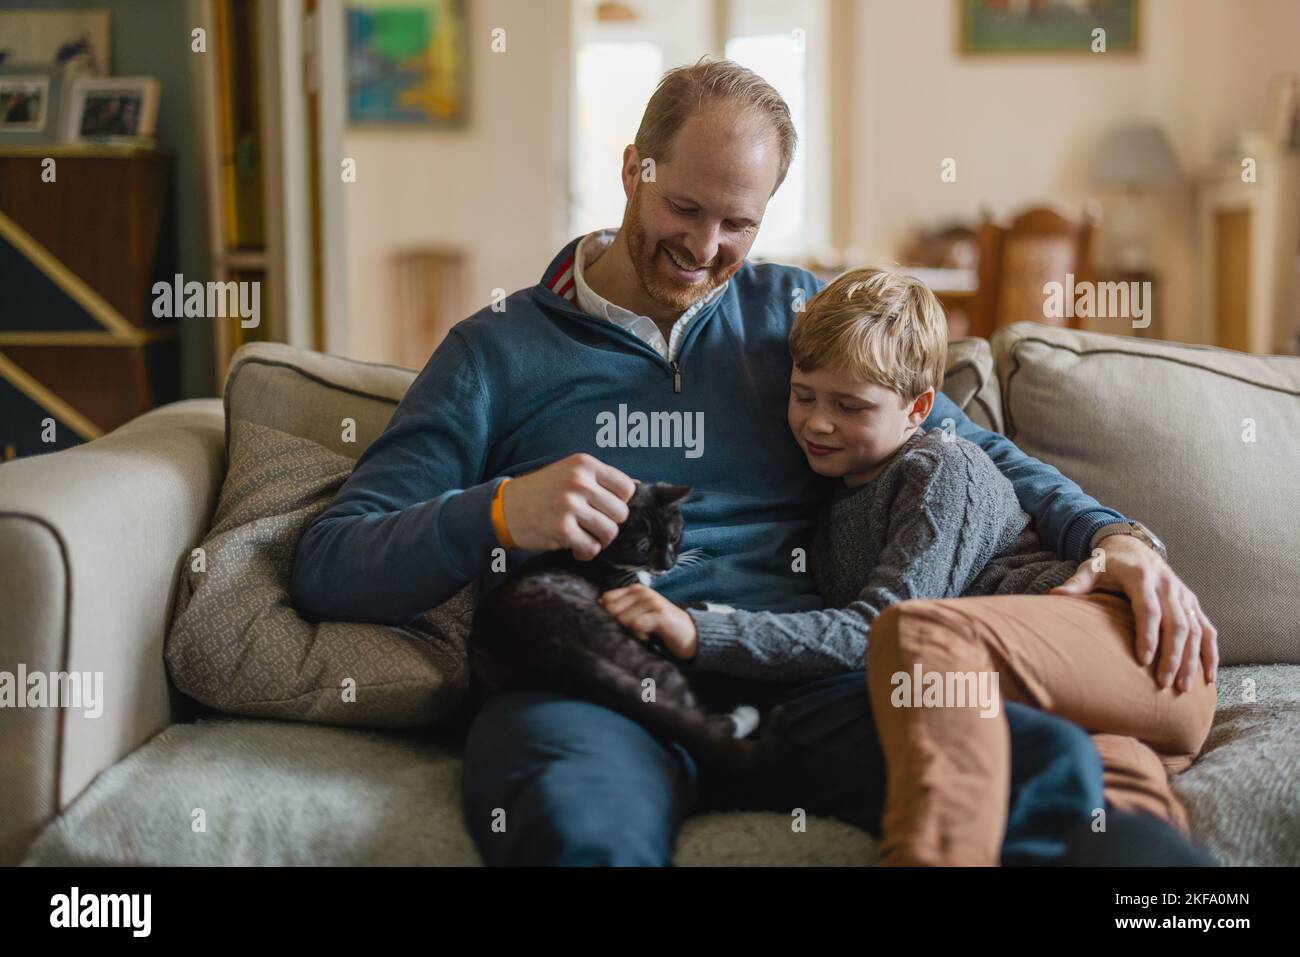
509, 392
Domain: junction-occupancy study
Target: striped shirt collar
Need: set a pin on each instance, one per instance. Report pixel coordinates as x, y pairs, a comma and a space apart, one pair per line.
569, 283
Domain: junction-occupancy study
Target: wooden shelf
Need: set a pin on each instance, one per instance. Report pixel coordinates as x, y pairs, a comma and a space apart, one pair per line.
98, 225
78, 338
138, 337
245, 259
80, 150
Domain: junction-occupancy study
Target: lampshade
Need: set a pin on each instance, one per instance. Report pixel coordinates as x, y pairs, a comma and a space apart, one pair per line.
1136, 156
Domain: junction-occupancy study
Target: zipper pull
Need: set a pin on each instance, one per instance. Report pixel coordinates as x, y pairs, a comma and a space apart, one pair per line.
677, 377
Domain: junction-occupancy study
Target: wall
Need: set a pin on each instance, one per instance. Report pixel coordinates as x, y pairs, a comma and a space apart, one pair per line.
496, 190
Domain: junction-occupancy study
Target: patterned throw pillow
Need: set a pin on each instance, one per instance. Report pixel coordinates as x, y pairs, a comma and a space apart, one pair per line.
237, 643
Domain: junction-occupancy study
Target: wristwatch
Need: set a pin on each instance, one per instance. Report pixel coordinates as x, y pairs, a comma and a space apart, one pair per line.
1137, 530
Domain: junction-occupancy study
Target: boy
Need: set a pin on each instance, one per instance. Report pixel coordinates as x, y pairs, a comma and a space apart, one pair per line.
918, 514
927, 515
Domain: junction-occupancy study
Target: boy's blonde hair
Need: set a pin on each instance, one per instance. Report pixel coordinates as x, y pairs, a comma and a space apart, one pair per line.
878, 326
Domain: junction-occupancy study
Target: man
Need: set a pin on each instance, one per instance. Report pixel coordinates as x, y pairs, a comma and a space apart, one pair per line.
665, 315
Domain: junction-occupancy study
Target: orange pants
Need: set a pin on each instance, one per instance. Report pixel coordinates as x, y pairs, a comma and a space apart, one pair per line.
949, 767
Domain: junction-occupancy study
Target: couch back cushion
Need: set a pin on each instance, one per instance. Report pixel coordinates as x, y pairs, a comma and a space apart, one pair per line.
1198, 443
310, 394
971, 382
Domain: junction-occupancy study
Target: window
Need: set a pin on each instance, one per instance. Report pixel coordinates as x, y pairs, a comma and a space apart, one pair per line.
780, 59
615, 81
619, 58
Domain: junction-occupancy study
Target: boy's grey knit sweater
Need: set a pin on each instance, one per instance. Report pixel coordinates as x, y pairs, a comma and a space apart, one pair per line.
939, 521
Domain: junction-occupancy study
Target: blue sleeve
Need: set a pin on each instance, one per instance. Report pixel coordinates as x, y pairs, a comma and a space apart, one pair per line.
1066, 517
412, 524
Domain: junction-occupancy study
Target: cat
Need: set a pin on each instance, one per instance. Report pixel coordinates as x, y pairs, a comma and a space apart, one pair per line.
542, 629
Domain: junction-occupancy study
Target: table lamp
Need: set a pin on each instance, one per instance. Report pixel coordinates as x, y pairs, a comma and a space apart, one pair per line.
1138, 160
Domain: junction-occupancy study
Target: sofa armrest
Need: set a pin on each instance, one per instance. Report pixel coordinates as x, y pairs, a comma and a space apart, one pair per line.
92, 541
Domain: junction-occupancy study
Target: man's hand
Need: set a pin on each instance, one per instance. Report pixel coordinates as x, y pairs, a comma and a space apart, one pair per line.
577, 503
1167, 612
645, 612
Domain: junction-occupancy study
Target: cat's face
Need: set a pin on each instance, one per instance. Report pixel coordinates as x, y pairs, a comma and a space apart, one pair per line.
651, 538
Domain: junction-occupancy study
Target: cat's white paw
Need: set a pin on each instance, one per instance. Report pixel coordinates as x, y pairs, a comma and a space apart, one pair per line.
745, 718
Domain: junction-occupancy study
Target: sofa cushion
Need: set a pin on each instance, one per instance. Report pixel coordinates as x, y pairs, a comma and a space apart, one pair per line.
1243, 793
272, 794
340, 796
971, 381
310, 394
337, 796
1161, 431
237, 643
334, 796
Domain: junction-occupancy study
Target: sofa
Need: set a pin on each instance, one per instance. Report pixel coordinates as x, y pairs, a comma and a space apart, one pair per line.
1198, 443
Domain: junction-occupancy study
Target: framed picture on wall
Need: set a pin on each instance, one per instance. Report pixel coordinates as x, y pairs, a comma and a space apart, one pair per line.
77, 40
1047, 26
30, 100
106, 108
407, 63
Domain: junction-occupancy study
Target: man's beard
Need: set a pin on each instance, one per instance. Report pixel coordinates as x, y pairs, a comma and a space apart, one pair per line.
678, 296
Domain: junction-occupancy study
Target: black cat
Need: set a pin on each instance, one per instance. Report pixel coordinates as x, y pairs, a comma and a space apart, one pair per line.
543, 630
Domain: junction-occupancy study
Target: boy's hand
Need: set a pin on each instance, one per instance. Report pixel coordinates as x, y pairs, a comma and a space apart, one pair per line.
1167, 613
645, 612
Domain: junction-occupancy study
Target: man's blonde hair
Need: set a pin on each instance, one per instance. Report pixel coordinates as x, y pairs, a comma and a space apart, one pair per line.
878, 326
686, 90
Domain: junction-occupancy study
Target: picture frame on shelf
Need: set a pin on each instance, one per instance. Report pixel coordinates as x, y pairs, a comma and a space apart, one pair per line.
111, 109
30, 104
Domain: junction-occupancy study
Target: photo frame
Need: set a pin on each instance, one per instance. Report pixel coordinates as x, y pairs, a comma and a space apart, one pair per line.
101, 109
31, 104
77, 40
1021, 27
408, 63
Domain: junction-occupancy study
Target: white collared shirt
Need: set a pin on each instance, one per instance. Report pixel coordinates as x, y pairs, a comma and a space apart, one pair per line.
589, 249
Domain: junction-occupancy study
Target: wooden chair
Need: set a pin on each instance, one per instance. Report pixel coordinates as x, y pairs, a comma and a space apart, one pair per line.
1016, 261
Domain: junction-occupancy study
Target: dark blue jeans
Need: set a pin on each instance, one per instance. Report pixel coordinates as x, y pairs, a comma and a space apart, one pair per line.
580, 784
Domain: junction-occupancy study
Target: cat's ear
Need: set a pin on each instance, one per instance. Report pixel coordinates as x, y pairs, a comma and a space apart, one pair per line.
666, 494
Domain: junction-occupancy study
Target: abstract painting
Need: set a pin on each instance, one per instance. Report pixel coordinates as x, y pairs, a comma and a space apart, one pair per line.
407, 63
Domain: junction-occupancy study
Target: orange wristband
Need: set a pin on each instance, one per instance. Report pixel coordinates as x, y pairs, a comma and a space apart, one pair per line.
499, 516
